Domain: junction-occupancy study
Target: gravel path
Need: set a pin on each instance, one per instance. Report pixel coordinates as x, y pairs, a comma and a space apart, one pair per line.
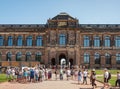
50, 84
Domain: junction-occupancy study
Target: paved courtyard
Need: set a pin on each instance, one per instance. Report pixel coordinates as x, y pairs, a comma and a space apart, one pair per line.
50, 84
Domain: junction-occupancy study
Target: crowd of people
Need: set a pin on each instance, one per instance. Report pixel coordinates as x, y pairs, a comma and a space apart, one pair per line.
40, 74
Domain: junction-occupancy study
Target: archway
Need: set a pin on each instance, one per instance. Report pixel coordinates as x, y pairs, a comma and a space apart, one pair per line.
71, 63
53, 61
62, 60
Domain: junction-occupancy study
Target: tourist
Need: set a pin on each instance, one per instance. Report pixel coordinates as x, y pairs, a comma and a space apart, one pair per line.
31, 75
106, 75
46, 73
56, 73
61, 74
43, 74
79, 77
72, 73
49, 74
75, 74
25, 74
118, 79
93, 78
68, 73
8, 73
85, 75
36, 74
40, 75
13, 74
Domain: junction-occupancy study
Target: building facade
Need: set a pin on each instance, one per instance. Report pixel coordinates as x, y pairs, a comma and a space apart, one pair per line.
62, 37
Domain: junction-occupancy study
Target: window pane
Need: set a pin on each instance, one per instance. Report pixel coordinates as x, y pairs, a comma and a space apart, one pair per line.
39, 41
10, 41
96, 41
86, 41
29, 41
97, 58
28, 56
62, 39
86, 58
38, 56
1, 41
19, 41
117, 58
18, 56
117, 41
107, 41
108, 58
9, 56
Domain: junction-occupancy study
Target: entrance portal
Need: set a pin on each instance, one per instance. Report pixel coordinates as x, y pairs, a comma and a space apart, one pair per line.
53, 61
62, 60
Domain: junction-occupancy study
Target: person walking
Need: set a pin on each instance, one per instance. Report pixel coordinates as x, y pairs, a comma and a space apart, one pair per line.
106, 76
68, 73
85, 75
118, 80
93, 78
61, 74
79, 77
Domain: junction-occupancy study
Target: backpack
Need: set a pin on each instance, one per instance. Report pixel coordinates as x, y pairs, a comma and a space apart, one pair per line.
109, 77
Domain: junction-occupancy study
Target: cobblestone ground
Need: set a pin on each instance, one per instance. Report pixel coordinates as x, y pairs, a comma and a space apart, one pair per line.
50, 84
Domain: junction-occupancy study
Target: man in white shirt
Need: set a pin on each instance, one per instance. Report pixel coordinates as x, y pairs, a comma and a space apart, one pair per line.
106, 75
85, 74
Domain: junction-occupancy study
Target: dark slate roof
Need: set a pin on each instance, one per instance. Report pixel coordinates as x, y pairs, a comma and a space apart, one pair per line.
63, 16
23, 25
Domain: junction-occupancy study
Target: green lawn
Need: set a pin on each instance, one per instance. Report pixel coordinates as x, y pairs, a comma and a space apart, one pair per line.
101, 72
111, 81
3, 78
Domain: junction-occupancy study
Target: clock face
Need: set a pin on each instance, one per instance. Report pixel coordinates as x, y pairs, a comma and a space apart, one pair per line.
62, 23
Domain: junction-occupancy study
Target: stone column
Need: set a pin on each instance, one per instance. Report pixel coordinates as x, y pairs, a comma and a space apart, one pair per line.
92, 61
113, 61
103, 61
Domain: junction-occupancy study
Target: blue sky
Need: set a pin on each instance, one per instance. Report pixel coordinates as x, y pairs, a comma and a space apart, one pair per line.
38, 11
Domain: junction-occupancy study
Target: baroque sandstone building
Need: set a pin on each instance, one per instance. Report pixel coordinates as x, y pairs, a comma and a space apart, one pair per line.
62, 37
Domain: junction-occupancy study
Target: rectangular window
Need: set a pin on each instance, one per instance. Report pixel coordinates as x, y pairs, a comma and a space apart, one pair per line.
96, 41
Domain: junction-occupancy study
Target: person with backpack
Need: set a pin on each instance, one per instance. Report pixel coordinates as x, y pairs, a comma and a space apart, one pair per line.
79, 77
107, 77
93, 78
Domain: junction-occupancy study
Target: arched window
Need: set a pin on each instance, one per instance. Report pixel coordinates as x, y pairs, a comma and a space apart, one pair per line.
117, 41
107, 41
97, 58
0, 56
118, 58
86, 41
28, 56
86, 58
96, 41
9, 56
29, 41
39, 41
38, 56
1, 40
19, 41
62, 39
108, 58
18, 56
10, 41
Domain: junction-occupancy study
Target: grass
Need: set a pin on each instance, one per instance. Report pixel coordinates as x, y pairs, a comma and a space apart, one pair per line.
111, 81
3, 78
101, 72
